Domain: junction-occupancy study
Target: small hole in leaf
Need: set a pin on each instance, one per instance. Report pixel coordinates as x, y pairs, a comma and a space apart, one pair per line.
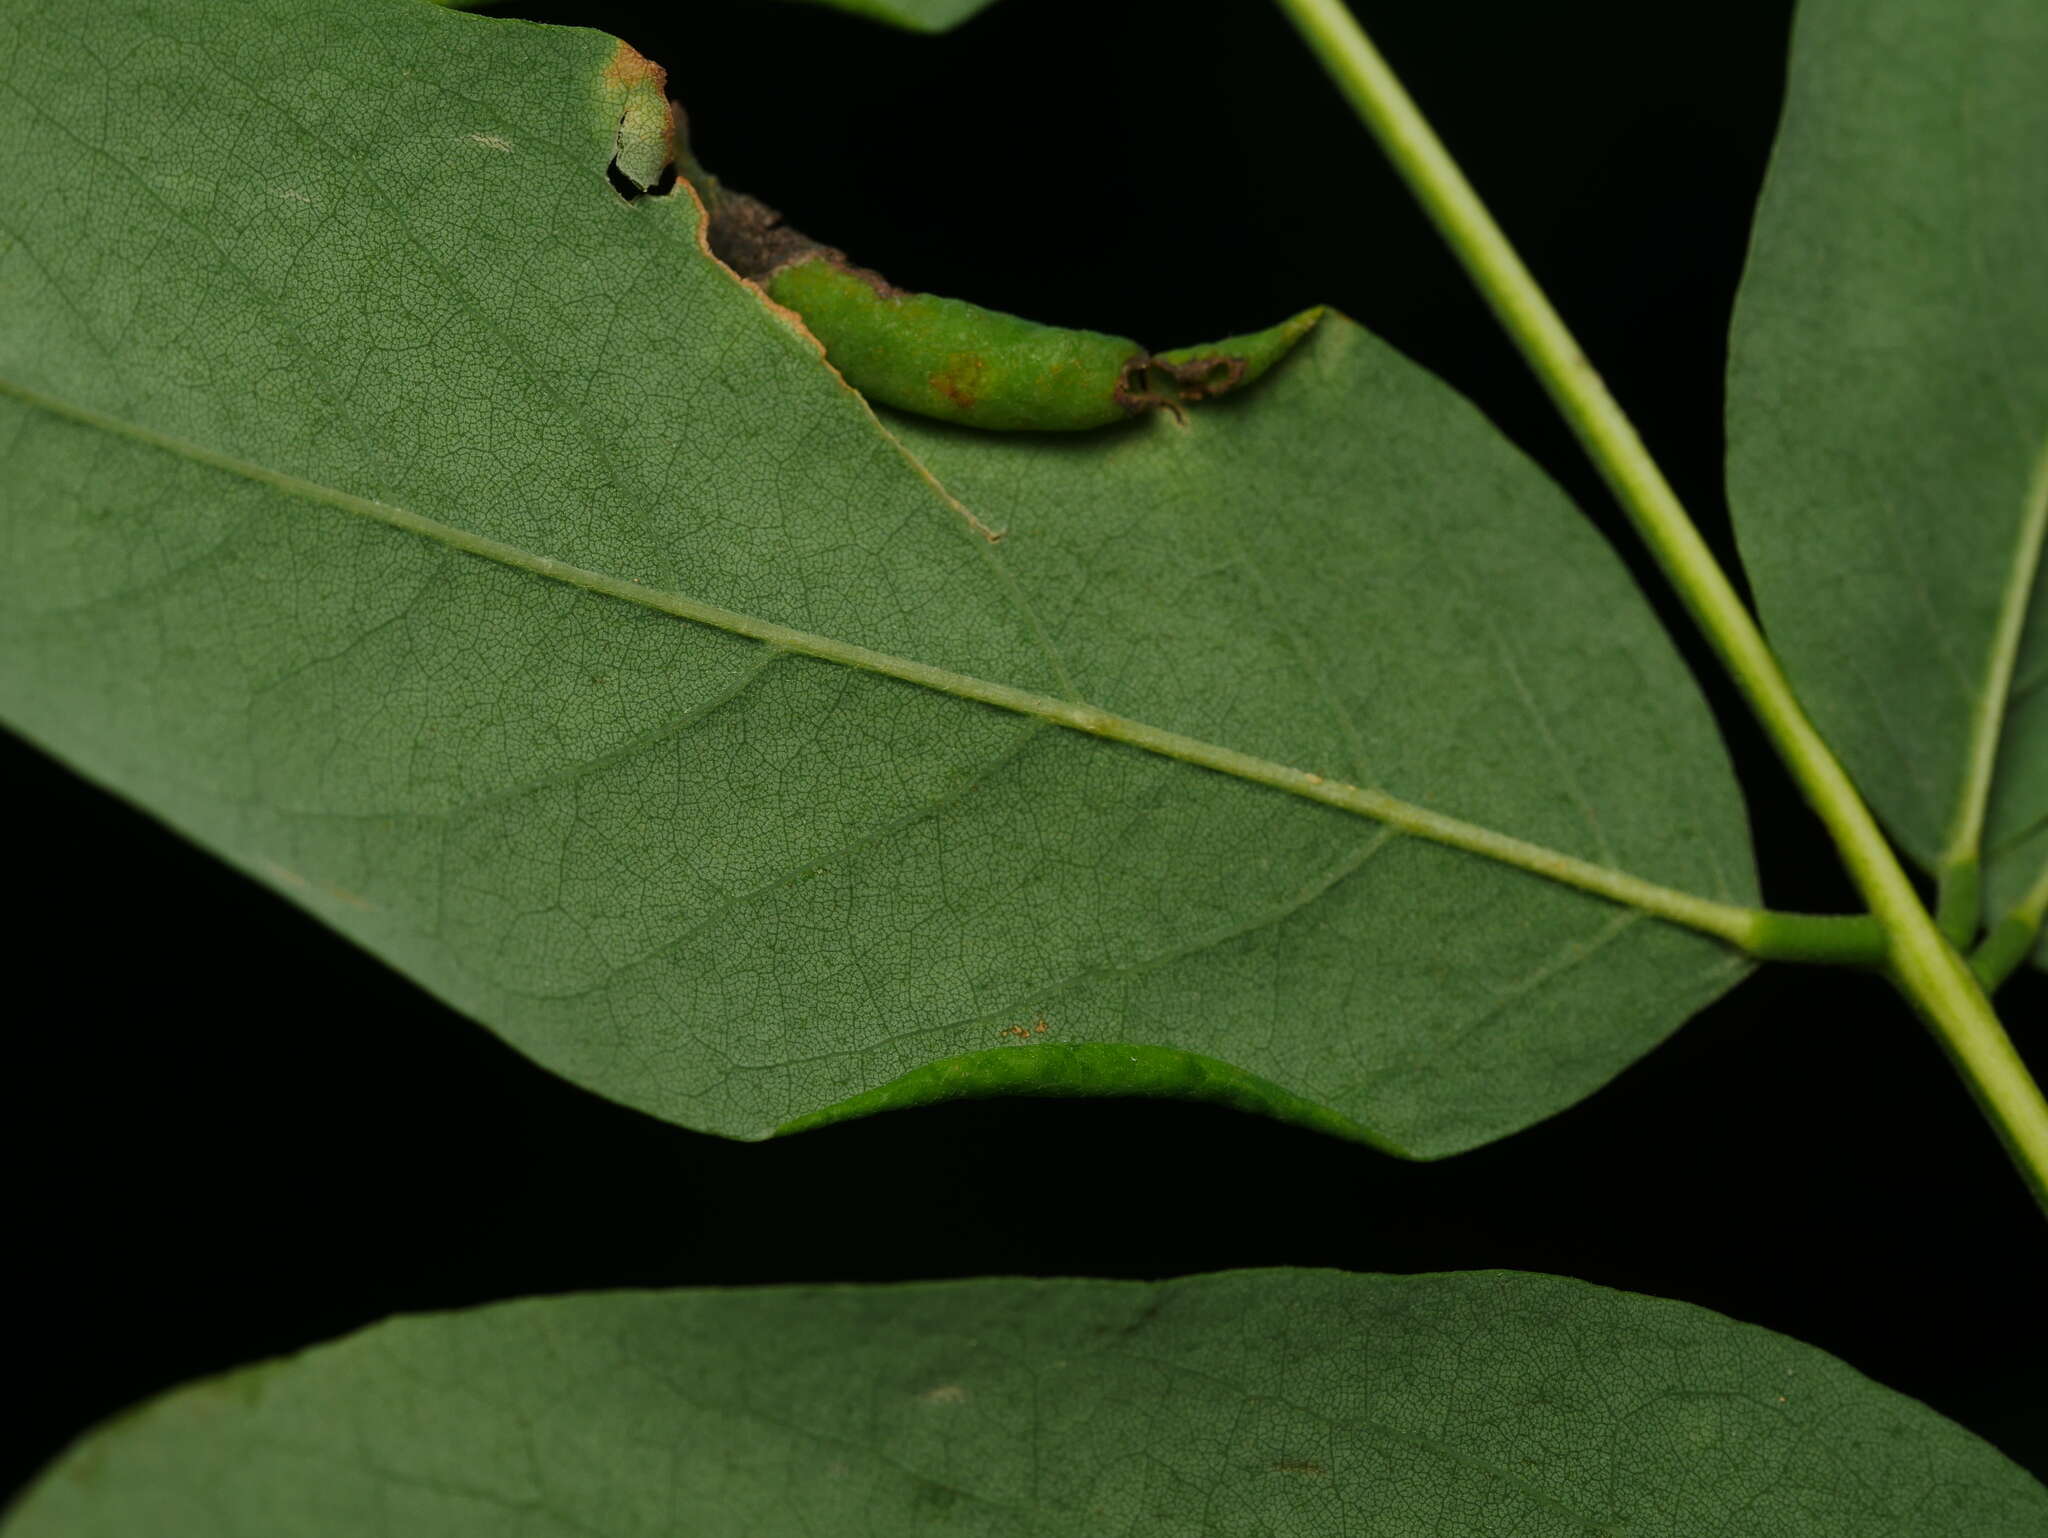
631, 191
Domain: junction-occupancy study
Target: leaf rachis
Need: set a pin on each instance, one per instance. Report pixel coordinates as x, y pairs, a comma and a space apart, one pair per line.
1923, 964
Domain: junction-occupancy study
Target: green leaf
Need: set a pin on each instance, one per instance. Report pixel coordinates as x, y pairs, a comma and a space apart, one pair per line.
364, 447
1888, 415
914, 15
1250, 1402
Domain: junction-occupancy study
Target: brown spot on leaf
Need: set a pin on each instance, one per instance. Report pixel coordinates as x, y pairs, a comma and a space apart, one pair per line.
756, 242
1200, 378
644, 143
706, 221
629, 69
1134, 390
753, 239
960, 380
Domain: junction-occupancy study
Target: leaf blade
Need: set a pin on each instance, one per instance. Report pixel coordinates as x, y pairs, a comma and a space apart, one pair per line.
733, 888
1888, 416
1250, 1401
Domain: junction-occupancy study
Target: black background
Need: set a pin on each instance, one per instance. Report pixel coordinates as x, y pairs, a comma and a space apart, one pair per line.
232, 1134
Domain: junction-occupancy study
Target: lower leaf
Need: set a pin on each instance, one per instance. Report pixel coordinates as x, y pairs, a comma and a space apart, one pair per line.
1274, 1402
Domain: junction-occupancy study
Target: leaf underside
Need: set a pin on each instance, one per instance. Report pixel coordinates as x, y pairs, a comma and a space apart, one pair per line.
307, 254
1888, 405
1247, 1403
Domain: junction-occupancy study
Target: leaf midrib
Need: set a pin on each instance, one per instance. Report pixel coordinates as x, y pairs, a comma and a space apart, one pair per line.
1991, 707
1726, 921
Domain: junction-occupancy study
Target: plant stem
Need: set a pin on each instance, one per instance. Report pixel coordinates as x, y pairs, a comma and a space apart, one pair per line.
1935, 980
2013, 936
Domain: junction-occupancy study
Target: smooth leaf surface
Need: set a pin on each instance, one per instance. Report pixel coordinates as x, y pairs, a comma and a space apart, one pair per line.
1277, 1402
358, 434
1888, 405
